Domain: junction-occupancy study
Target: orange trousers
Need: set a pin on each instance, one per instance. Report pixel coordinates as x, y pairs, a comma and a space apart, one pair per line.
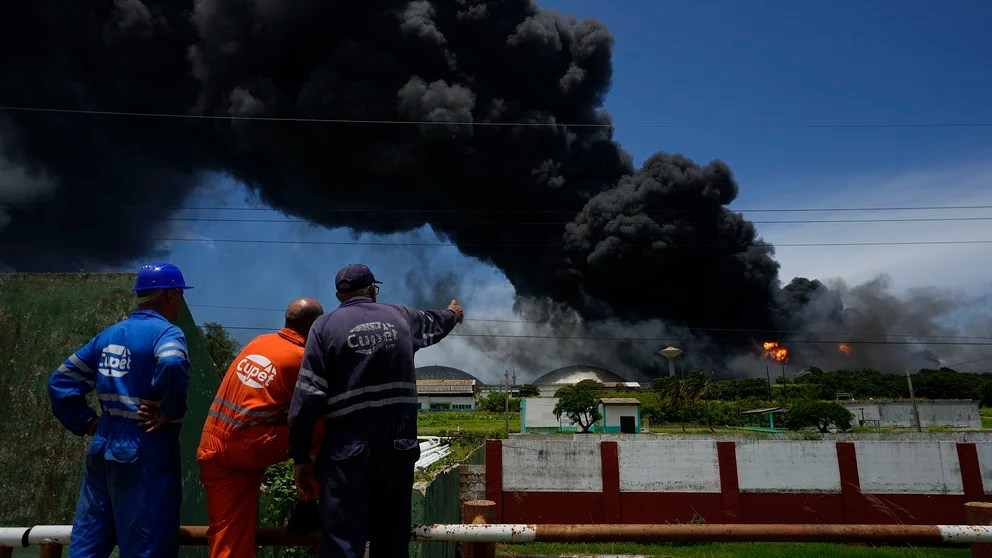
231, 470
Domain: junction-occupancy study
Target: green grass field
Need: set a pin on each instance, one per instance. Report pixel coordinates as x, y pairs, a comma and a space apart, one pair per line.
478, 422
727, 550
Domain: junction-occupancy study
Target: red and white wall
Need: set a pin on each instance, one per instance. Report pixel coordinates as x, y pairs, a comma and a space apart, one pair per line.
547, 480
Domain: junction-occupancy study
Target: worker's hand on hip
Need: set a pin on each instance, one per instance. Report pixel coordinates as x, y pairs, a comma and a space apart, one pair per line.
153, 416
306, 483
457, 309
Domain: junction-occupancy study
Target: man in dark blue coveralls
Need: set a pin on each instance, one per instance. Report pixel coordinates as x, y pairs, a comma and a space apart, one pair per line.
358, 374
138, 367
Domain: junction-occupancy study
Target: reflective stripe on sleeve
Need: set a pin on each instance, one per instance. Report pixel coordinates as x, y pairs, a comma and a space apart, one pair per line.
78, 362
371, 404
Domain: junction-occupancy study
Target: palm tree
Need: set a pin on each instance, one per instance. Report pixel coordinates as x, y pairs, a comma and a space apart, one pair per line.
700, 389
674, 392
682, 394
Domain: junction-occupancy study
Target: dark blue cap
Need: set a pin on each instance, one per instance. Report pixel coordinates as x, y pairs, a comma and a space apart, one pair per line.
353, 277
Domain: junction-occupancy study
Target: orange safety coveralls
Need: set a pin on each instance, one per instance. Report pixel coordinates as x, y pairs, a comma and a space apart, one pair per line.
245, 432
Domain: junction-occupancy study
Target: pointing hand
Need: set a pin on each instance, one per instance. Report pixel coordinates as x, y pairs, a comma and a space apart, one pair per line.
457, 309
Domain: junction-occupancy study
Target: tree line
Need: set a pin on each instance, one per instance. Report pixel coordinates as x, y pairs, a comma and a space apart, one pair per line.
698, 398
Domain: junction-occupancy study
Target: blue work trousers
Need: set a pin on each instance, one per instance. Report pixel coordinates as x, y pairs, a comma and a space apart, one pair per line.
134, 505
365, 496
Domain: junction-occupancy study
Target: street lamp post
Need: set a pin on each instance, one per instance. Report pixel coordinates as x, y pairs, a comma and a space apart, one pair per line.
506, 401
670, 353
916, 411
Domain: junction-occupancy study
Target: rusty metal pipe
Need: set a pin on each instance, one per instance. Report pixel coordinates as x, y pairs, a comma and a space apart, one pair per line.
917, 534
50, 550
12, 537
740, 532
56, 535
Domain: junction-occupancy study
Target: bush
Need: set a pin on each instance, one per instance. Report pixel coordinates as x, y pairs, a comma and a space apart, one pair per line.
528, 390
821, 414
279, 485
495, 402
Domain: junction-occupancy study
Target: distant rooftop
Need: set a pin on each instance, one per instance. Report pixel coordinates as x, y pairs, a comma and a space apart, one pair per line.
619, 401
443, 373
445, 382
776, 410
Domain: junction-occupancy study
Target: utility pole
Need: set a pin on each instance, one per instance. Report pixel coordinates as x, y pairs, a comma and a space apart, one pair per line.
916, 411
506, 403
768, 377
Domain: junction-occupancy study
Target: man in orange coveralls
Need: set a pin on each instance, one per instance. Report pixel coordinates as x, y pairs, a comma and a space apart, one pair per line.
246, 429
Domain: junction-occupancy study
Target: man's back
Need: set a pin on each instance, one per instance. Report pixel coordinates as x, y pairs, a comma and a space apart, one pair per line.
141, 359
246, 430
370, 347
358, 372
260, 380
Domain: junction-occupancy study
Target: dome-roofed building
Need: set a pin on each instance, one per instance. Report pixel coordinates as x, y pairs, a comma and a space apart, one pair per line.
443, 388
571, 375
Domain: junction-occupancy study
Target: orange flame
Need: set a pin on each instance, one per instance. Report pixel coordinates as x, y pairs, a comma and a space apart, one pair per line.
775, 351
846, 349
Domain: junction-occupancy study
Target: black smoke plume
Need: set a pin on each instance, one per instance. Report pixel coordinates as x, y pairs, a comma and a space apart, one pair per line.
538, 187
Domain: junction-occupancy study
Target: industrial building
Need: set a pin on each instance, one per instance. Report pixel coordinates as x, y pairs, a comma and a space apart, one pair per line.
618, 415
549, 383
443, 388
952, 413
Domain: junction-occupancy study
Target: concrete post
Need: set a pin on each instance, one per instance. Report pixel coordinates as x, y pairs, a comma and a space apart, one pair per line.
979, 513
50, 550
478, 512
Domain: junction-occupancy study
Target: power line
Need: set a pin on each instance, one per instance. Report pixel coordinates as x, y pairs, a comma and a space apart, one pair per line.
968, 362
559, 223
668, 339
391, 122
406, 244
580, 210
770, 332
256, 309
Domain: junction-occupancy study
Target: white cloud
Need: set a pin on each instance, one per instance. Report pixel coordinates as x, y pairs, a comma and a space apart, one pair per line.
959, 266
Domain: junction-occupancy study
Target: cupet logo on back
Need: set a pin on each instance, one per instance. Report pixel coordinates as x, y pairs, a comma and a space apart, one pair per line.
369, 337
115, 361
256, 371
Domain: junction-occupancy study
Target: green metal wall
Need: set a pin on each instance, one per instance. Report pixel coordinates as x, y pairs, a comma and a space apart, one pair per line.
436, 502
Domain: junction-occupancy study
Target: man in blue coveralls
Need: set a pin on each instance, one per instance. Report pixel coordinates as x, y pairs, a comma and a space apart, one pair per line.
358, 374
132, 487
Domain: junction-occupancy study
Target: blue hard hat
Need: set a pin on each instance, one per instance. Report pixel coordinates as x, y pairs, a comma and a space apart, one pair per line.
159, 276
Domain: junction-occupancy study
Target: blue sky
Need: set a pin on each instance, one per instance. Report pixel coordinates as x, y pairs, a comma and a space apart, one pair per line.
716, 63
